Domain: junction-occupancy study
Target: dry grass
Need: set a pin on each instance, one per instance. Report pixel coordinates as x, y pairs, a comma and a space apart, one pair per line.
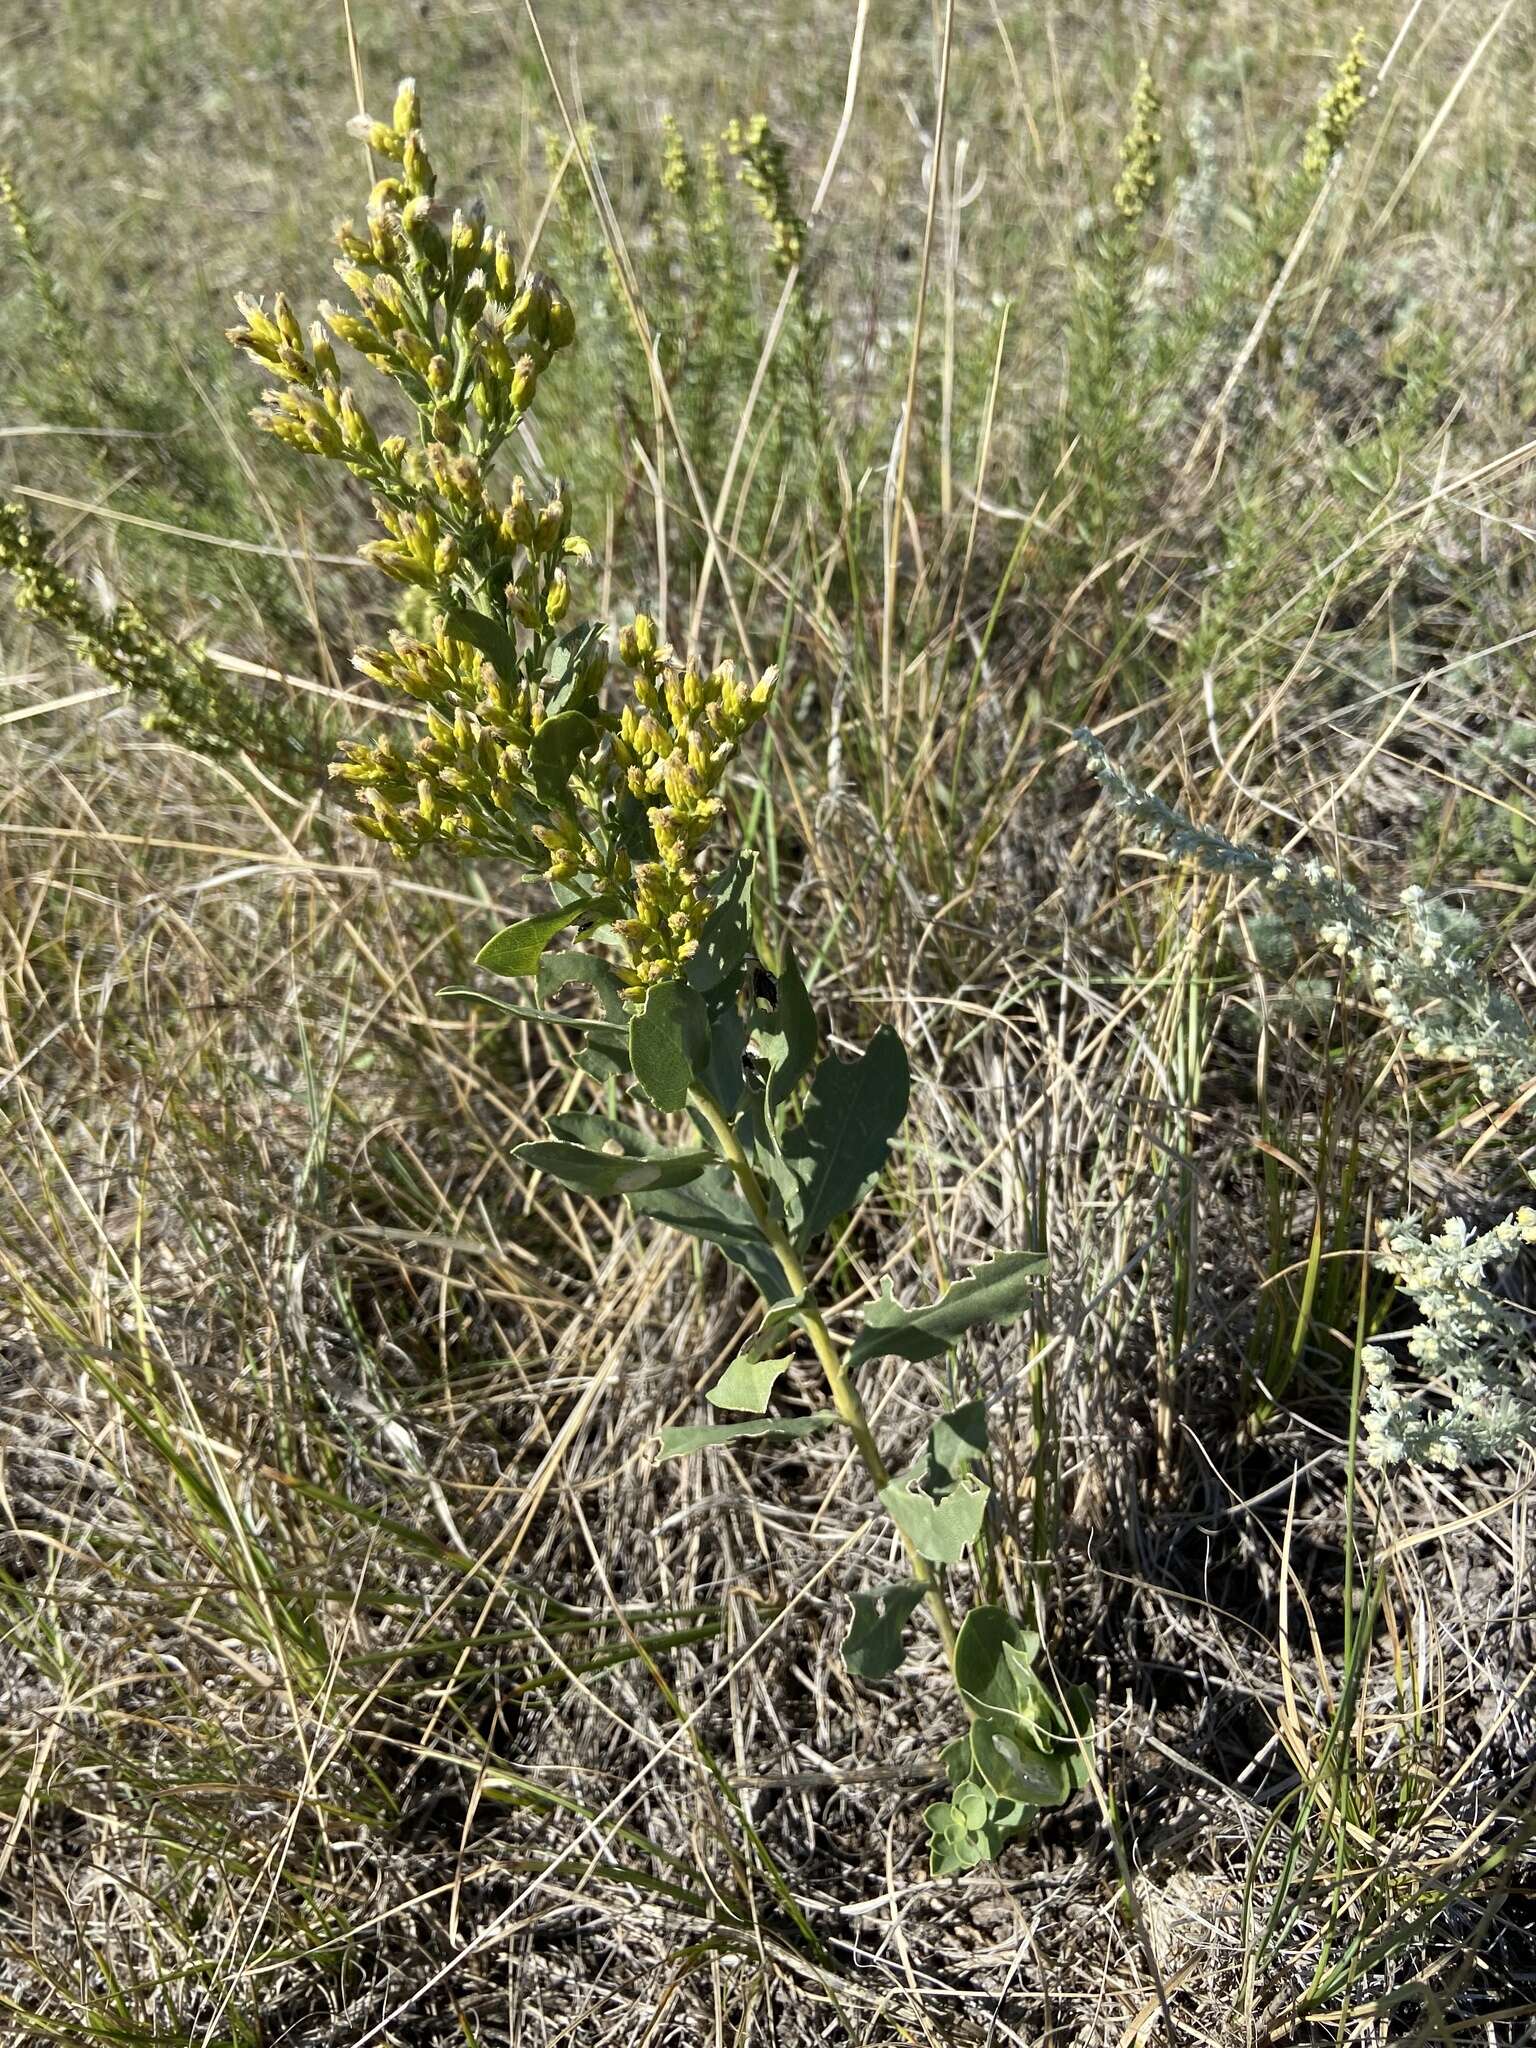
364, 1677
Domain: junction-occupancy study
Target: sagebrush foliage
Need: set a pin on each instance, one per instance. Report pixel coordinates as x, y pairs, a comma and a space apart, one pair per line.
1474, 1348
1423, 970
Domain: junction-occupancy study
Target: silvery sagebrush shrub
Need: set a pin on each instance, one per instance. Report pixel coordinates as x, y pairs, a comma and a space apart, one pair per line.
1424, 973
614, 799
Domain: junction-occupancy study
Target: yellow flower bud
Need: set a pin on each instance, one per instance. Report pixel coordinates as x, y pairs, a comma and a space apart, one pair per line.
519, 513
548, 527
417, 165
465, 480
356, 429
525, 378
562, 322
471, 300
381, 140
557, 600
644, 630
424, 232
355, 333
287, 324
506, 266
351, 244
530, 309
407, 109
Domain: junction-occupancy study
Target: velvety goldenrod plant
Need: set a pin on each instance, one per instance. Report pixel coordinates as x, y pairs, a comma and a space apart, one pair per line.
614, 797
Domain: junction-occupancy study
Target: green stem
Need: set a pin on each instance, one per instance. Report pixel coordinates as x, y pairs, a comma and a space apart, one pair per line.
845, 1397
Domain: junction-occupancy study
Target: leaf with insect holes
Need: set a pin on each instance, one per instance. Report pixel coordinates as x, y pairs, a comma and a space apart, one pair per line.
748, 1383
875, 1643
610, 1173
558, 971
787, 1034
605, 1055
493, 641
998, 1292
942, 1526
679, 1443
669, 1042
843, 1138
518, 948
727, 934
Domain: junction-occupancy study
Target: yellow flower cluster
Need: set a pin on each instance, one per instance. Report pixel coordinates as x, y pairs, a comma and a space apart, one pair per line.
519, 755
1337, 111
674, 742
764, 170
1140, 152
439, 306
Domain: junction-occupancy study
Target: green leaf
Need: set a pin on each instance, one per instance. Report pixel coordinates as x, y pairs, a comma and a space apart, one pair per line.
518, 948
787, 1034
994, 1670
678, 1443
955, 1443
590, 1127
748, 1383
610, 1173
669, 1042
941, 1527
613, 1038
727, 932
558, 970
1017, 1769
723, 1069
493, 641
710, 1208
557, 746
874, 1645
630, 824
998, 1292
567, 669
606, 1054
841, 1142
